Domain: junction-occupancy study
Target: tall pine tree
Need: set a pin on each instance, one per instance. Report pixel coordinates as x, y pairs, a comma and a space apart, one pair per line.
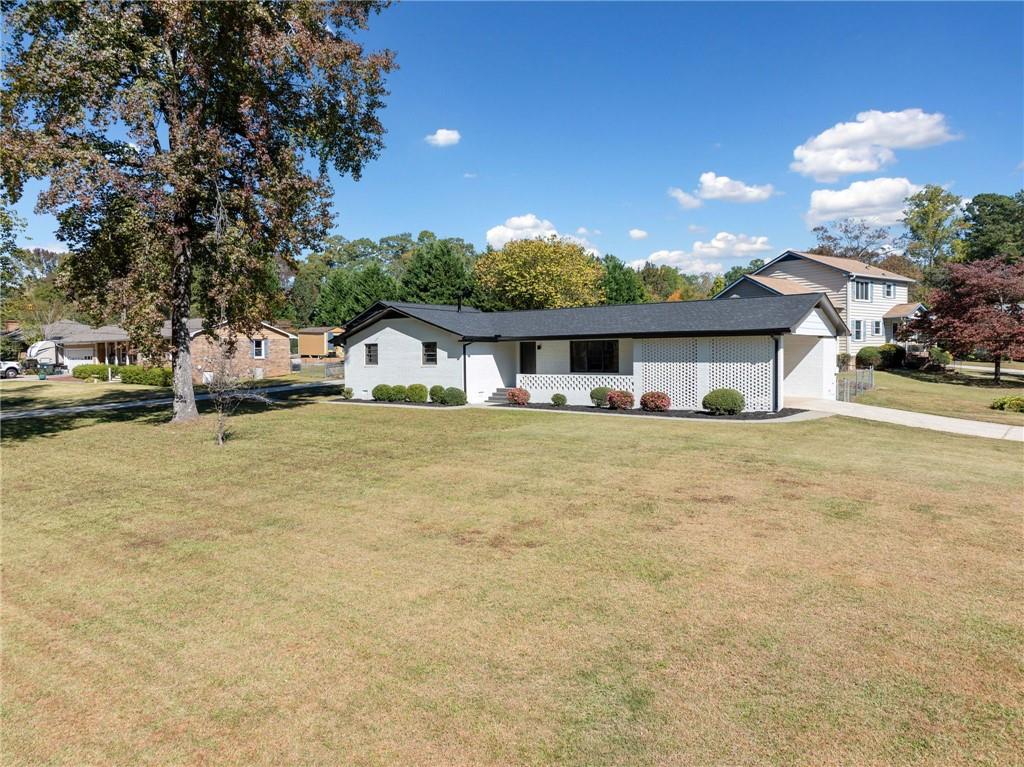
436, 274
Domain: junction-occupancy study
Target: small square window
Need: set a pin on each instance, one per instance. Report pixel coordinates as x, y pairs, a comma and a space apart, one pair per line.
371, 354
862, 290
876, 327
858, 330
890, 290
429, 352
259, 348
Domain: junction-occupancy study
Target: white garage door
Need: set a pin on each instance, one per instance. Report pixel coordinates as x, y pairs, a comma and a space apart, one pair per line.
77, 355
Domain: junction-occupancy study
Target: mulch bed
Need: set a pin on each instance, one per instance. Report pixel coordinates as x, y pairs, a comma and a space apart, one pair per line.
663, 414
382, 402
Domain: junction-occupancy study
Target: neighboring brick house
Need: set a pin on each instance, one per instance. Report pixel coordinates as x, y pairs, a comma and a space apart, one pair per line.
873, 302
266, 353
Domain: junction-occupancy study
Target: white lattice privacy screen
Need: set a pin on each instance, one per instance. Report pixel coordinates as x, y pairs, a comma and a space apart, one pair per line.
572, 382
688, 368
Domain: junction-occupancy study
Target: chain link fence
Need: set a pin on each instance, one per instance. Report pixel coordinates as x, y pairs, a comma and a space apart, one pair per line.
319, 371
850, 383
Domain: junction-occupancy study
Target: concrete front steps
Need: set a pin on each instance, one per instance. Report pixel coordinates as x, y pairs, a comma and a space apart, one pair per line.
498, 397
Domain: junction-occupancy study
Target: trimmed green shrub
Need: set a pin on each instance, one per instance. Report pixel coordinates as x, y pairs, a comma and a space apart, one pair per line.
453, 396
558, 400
843, 361
939, 357
620, 400
399, 393
138, 374
655, 401
723, 402
892, 356
347, 393
1014, 403
437, 394
517, 396
381, 393
416, 393
89, 370
599, 396
869, 357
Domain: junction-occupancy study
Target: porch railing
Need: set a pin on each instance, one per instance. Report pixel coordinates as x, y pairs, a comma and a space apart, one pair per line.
567, 383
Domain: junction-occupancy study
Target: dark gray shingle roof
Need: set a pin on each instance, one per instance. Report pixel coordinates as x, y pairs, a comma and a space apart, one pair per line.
695, 318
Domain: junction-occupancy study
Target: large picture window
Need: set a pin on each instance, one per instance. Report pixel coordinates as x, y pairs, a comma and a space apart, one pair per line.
594, 356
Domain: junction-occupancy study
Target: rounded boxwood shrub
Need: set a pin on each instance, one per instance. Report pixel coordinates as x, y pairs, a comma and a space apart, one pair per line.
558, 400
416, 393
892, 356
453, 396
723, 402
398, 393
517, 396
347, 393
655, 401
381, 393
1014, 403
869, 356
437, 394
599, 396
137, 374
619, 399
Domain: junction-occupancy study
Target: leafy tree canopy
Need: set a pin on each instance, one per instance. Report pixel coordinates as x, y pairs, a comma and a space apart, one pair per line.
538, 274
995, 227
934, 223
436, 274
622, 284
738, 271
852, 238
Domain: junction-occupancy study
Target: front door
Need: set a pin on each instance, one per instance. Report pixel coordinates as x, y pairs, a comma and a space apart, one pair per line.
527, 357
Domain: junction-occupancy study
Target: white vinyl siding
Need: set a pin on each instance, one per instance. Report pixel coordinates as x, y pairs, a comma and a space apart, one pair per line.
870, 312
813, 276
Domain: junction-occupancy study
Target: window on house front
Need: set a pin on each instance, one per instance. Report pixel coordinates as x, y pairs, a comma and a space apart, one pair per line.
862, 290
429, 353
858, 330
876, 327
890, 290
259, 348
371, 354
594, 356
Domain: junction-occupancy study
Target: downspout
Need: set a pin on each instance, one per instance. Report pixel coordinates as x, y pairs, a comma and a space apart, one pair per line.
465, 379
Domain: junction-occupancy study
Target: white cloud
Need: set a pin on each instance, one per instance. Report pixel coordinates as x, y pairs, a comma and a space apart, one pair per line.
637, 234
879, 202
584, 232
696, 229
707, 256
685, 200
468, 174
715, 187
530, 227
867, 144
443, 137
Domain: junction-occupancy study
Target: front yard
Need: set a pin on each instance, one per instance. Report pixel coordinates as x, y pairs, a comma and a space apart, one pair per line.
958, 395
363, 585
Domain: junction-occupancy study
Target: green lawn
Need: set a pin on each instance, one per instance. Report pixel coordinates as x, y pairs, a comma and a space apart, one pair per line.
344, 584
959, 395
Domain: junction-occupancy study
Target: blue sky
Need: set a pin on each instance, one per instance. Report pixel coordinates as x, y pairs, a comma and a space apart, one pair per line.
581, 117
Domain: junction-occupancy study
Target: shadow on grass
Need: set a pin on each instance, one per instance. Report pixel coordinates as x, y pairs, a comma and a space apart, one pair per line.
25, 429
38, 396
982, 380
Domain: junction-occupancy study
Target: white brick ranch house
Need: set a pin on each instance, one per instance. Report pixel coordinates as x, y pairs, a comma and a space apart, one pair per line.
767, 348
873, 302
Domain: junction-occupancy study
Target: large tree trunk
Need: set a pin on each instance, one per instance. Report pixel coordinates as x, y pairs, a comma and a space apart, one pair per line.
999, 369
181, 342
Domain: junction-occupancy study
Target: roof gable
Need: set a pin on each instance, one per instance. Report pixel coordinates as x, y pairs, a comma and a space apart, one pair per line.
849, 266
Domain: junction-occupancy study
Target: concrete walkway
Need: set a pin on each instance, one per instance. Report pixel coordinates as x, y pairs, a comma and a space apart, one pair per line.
982, 369
915, 420
140, 403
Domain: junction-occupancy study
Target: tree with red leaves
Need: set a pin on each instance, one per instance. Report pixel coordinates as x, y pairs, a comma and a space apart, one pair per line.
186, 145
981, 307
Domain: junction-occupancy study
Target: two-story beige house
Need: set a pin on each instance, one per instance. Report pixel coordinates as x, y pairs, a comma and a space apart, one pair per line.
873, 302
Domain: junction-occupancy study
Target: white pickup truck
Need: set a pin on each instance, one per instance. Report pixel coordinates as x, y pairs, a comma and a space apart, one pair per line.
9, 369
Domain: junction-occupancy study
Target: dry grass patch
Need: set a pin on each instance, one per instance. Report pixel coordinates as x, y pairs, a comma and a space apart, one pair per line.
344, 585
958, 395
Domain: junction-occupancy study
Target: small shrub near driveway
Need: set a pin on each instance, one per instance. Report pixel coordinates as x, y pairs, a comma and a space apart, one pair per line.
398, 393
558, 400
453, 396
869, 357
599, 396
137, 374
892, 356
1013, 403
723, 402
416, 393
620, 400
437, 394
655, 401
381, 393
517, 396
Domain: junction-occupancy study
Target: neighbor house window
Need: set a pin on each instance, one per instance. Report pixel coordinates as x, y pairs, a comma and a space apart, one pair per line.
259, 348
594, 356
429, 353
862, 290
876, 327
858, 330
890, 290
371, 354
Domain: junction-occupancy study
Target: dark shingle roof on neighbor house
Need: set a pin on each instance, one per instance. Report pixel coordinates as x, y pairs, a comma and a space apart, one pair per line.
738, 316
